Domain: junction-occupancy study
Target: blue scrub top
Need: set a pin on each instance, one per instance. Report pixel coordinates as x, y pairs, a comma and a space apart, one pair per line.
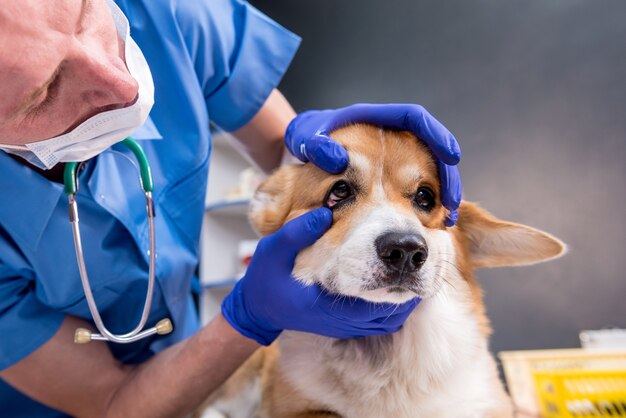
212, 61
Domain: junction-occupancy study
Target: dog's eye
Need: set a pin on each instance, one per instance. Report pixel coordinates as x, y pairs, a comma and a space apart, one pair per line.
425, 198
340, 191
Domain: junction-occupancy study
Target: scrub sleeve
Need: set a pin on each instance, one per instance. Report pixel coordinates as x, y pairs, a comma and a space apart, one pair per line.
240, 70
25, 322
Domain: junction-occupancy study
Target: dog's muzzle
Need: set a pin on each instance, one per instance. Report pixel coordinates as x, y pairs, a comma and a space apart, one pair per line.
402, 254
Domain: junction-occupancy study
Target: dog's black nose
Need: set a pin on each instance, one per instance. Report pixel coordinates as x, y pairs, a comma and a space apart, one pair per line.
401, 251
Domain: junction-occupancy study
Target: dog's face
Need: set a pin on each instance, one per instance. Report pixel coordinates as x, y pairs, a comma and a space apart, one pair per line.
388, 241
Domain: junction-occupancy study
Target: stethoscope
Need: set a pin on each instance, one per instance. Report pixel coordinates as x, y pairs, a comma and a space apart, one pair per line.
82, 335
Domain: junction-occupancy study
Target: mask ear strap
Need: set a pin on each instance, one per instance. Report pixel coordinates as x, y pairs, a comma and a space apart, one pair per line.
13, 147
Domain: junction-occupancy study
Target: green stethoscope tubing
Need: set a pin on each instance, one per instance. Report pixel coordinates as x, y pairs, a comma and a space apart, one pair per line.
71, 188
69, 175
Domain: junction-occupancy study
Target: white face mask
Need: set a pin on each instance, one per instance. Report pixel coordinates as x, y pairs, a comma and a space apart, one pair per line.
104, 129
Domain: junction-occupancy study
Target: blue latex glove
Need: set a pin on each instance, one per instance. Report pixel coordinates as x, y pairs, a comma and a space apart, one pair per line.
268, 300
307, 139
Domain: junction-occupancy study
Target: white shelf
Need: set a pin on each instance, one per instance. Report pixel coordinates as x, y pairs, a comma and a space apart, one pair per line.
225, 224
220, 283
229, 208
226, 165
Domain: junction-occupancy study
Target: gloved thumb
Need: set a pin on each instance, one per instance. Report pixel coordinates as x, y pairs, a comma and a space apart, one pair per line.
303, 231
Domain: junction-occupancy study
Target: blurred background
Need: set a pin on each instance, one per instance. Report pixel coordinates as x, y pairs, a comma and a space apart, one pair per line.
535, 92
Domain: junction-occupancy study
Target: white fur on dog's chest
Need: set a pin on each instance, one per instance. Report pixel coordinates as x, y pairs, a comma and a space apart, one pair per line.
436, 366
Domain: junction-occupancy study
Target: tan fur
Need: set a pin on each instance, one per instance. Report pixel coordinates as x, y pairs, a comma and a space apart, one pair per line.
479, 240
246, 373
280, 399
488, 246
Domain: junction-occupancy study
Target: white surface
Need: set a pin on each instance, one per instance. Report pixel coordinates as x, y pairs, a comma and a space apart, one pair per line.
225, 224
238, 208
604, 338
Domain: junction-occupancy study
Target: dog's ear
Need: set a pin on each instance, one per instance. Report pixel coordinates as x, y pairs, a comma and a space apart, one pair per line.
494, 243
272, 201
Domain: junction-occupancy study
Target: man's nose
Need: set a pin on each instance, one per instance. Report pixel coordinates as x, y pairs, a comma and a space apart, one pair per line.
402, 252
108, 83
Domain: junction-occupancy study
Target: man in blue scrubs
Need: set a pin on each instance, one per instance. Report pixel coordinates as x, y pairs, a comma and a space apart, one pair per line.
212, 61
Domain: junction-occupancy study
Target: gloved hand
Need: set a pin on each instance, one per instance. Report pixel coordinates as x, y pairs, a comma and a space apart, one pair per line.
268, 300
307, 139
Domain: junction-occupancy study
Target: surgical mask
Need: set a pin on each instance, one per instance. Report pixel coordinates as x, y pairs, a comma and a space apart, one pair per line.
104, 129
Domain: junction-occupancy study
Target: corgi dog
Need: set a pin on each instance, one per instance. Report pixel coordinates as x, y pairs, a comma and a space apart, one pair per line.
387, 243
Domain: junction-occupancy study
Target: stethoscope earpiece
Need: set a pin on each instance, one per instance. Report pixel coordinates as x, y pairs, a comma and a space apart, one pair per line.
163, 327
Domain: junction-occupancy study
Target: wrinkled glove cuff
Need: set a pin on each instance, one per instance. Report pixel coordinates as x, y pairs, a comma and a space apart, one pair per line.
235, 312
296, 148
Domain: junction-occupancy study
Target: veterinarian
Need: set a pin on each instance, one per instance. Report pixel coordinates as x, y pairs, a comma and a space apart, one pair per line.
73, 84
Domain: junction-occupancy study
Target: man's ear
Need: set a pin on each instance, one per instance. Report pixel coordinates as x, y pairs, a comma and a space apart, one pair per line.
495, 243
273, 200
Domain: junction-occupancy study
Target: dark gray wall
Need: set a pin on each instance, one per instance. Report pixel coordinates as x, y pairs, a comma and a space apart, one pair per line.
535, 91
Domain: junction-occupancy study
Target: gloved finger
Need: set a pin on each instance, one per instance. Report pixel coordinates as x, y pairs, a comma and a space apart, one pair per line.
379, 330
355, 332
398, 314
358, 311
439, 139
325, 153
385, 310
346, 308
452, 218
451, 188
407, 307
395, 319
299, 233
405, 117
